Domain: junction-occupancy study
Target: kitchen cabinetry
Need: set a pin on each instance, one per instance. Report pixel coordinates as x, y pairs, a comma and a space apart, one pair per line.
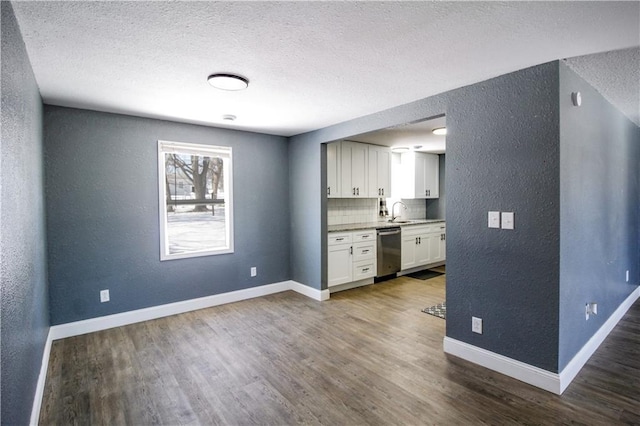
353, 169
422, 245
358, 170
379, 172
351, 257
419, 175
333, 170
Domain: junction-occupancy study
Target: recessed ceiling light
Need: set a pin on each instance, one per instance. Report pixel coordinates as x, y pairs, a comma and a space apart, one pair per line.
229, 117
440, 131
399, 149
228, 81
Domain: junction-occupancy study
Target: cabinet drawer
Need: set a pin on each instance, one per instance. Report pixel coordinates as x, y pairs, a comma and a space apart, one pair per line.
414, 230
364, 251
364, 269
339, 238
369, 235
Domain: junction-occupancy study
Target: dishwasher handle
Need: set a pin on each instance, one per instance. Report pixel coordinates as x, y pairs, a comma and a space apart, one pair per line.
393, 231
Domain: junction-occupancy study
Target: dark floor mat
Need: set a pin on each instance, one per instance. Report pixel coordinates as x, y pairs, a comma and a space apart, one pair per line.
425, 275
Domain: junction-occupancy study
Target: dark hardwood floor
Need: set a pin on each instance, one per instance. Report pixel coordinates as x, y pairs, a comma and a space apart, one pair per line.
366, 356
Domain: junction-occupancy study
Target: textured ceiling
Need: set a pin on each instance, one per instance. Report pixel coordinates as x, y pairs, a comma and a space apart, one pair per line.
311, 64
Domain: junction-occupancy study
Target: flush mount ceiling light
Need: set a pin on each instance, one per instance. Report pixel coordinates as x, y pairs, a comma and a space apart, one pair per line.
400, 149
229, 117
440, 131
228, 81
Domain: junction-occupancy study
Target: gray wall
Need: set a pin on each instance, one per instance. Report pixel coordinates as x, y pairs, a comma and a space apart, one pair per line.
102, 222
436, 207
305, 185
25, 315
502, 154
599, 202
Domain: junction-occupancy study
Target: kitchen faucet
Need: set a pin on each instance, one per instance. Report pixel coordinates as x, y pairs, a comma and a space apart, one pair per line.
393, 209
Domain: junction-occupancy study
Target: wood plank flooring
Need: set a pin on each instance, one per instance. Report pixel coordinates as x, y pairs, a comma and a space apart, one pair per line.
366, 356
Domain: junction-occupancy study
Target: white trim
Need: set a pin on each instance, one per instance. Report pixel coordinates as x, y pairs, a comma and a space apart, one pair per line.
224, 152
552, 382
574, 366
37, 399
131, 317
518, 370
313, 293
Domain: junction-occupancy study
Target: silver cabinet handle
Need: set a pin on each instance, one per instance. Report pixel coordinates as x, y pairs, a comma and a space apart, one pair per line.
365, 236
329, 191
365, 251
340, 239
358, 191
353, 191
365, 269
351, 250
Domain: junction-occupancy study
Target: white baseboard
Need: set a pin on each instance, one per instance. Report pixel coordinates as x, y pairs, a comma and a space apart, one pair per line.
131, 317
580, 359
510, 367
313, 293
552, 382
37, 399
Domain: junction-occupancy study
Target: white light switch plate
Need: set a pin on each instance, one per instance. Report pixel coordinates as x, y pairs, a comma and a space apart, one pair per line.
507, 220
494, 219
104, 296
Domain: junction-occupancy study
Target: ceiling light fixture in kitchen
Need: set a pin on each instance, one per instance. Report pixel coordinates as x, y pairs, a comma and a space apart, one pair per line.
228, 81
400, 149
440, 131
229, 117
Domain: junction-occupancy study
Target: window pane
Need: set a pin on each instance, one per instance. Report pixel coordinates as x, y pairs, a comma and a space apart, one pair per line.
196, 202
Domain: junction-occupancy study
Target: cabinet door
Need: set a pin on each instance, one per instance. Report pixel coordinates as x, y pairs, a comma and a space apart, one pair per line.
408, 252
333, 170
379, 181
339, 265
423, 250
435, 249
353, 170
419, 189
431, 175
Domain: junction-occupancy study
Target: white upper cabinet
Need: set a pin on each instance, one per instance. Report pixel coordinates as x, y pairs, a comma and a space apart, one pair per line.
333, 170
418, 174
379, 172
358, 170
353, 169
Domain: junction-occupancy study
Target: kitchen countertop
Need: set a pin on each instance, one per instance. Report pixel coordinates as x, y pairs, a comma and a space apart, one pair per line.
380, 224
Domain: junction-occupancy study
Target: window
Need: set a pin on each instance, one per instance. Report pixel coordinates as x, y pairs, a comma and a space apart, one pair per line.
196, 200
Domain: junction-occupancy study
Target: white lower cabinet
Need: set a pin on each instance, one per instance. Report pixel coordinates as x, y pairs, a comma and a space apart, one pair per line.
422, 245
351, 257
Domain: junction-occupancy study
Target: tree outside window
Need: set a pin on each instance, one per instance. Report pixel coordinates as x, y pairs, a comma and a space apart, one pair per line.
195, 200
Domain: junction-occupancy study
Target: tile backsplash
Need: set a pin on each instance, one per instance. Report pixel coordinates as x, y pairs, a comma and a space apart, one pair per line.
341, 211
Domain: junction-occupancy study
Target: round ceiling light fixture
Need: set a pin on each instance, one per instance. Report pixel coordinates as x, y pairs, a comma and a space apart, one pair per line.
400, 149
228, 82
440, 131
229, 117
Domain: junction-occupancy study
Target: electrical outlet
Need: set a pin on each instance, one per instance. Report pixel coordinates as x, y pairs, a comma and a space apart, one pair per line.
590, 308
104, 296
254, 271
476, 325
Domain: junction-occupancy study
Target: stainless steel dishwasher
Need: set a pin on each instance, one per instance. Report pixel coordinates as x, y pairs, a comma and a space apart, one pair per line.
389, 244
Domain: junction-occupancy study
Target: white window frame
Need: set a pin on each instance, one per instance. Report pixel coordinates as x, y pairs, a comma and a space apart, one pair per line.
224, 152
